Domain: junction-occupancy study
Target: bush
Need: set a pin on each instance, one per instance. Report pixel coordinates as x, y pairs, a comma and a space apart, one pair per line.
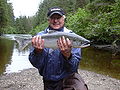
38, 28
9, 30
76, 21
101, 26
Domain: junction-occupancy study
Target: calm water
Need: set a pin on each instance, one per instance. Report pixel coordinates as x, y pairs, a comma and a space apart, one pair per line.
92, 59
11, 59
102, 62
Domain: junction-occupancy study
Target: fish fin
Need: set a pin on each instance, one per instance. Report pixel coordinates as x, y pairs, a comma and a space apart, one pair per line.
22, 43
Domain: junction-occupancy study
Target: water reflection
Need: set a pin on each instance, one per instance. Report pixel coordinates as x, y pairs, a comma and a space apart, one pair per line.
6, 49
11, 59
19, 62
101, 62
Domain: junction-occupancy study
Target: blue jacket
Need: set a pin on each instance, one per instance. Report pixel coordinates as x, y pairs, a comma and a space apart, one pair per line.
51, 63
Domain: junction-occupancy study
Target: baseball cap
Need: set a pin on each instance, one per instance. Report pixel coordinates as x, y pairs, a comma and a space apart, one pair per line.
55, 10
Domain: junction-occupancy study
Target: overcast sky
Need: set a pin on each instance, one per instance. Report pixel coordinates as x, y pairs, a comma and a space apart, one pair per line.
25, 7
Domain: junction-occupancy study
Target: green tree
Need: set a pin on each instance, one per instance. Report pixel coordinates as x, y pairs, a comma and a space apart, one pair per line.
23, 24
3, 14
6, 16
11, 20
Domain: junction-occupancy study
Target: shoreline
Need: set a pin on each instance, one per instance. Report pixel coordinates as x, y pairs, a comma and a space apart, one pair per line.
30, 79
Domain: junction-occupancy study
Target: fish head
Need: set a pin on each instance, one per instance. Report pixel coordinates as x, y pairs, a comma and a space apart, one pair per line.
85, 44
80, 44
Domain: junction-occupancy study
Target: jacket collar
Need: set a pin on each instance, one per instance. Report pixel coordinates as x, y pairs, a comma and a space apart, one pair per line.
49, 29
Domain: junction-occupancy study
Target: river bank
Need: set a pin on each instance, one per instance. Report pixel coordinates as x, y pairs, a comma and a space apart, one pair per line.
29, 79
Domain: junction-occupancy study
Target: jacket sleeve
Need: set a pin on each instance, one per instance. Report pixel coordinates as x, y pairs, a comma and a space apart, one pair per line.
71, 65
38, 59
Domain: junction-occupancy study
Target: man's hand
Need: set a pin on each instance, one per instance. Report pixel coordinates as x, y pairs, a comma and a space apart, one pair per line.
65, 46
38, 43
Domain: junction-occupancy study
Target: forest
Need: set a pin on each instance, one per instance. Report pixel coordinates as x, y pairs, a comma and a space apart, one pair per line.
97, 20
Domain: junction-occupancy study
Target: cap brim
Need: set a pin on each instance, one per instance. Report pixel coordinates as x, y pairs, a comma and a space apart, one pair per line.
55, 13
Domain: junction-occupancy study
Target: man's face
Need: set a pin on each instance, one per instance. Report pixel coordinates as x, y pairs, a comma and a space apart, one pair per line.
56, 21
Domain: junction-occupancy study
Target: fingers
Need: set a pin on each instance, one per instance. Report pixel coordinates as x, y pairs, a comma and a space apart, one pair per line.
64, 45
37, 42
60, 43
69, 43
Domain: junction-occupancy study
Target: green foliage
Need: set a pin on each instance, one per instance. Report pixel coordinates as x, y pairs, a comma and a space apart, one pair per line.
78, 21
98, 22
6, 15
10, 30
23, 25
106, 28
3, 13
38, 28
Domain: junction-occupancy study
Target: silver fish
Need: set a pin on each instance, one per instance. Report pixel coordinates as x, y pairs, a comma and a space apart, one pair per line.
51, 40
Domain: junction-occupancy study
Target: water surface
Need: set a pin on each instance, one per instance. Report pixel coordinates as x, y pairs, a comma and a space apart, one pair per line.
11, 59
101, 61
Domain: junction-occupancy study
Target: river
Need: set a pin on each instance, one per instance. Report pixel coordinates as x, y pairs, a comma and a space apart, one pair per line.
95, 60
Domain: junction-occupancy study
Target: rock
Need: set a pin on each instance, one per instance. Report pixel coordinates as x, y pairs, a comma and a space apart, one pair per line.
31, 80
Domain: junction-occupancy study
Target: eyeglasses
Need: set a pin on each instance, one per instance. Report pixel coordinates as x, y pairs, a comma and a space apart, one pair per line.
55, 18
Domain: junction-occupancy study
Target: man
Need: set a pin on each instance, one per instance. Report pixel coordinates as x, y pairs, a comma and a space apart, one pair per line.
58, 67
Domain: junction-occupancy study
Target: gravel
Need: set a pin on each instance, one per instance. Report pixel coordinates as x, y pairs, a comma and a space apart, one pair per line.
30, 79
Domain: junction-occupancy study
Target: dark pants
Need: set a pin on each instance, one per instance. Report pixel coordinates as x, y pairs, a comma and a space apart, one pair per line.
73, 82
53, 85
